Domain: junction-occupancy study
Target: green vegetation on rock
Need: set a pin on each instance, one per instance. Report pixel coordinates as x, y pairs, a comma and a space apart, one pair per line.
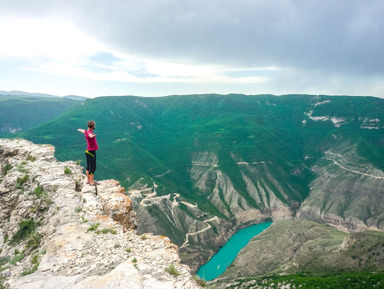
26, 228
171, 269
335, 280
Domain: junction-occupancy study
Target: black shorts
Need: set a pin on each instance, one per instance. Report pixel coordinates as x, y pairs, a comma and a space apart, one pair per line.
91, 161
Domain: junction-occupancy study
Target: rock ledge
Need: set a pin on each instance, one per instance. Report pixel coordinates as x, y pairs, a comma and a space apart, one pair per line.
80, 236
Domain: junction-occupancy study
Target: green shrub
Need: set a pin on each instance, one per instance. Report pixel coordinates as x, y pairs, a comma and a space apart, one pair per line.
26, 228
171, 269
31, 158
35, 260
199, 281
78, 209
17, 258
2, 285
34, 241
30, 270
67, 171
21, 181
4, 260
7, 168
144, 237
49, 201
40, 193
93, 227
21, 169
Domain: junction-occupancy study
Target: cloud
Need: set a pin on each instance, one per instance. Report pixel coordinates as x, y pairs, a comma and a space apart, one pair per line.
283, 45
47, 37
343, 35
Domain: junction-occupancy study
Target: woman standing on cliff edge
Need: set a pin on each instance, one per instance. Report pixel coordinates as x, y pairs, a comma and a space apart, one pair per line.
90, 153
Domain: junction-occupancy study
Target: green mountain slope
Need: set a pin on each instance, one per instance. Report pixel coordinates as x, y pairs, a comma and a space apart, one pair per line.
19, 113
199, 167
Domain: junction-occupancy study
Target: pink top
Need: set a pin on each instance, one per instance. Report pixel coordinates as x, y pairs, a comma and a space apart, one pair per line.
91, 142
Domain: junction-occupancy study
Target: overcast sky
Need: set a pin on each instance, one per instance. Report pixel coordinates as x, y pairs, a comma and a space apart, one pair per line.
162, 47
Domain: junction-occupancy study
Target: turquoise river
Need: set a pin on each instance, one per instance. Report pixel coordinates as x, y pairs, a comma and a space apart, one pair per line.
227, 254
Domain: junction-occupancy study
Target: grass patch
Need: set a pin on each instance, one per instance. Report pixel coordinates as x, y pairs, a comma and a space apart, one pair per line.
31, 158
334, 280
106, 231
78, 209
144, 237
171, 269
2, 285
30, 270
16, 259
93, 227
199, 281
21, 181
34, 241
35, 260
67, 171
40, 193
134, 261
20, 168
6, 169
26, 228
4, 260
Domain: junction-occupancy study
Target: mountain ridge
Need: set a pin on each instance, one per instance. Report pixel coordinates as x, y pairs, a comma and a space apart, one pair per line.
20, 113
239, 158
23, 94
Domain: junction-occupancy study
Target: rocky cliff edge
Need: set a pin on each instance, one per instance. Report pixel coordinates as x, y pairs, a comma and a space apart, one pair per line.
58, 232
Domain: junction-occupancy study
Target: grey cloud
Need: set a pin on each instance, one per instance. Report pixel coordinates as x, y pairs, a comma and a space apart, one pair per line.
340, 36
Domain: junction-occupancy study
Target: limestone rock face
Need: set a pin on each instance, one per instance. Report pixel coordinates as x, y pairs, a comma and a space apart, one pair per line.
346, 193
116, 204
58, 232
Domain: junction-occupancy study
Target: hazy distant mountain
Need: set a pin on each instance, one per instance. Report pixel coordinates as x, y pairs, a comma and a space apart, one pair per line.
75, 97
25, 94
19, 113
16, 93
199, 167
